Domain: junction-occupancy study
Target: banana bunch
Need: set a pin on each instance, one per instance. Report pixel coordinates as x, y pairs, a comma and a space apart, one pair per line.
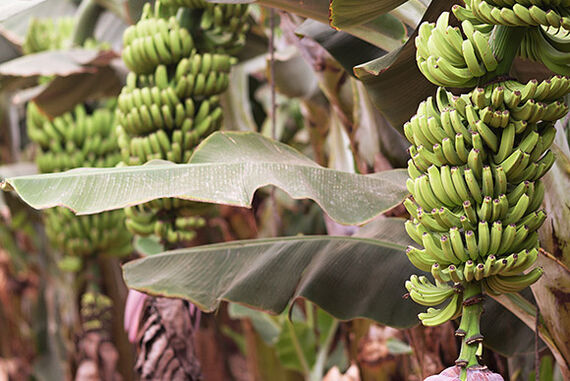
547, 27
73, 140
224, 28
44, 34
446, 59
179, 59
549, 46
475, 169
96, 312
477, 158
177, 221
523, 13
153, 41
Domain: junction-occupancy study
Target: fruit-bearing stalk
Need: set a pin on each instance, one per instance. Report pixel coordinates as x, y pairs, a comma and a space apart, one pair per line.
505, 42
469, 328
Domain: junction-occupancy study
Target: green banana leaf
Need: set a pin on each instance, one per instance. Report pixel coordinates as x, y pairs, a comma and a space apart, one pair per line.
505, 333
347, 13
227, 168
381, 30
347, 277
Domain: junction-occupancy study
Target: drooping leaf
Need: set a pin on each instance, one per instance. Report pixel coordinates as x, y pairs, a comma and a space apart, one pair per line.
227, 168
10, 170
394, 82
290, 64
504, 332
9, 8
346, 13
58, 62
374, 134
8, 50
347, 277
347, 49
236, 103
378, 31
24, 71
109, 29
64, 93
410, 12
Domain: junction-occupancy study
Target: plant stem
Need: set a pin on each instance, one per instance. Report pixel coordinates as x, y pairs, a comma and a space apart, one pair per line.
505, 42
87, 15
469, 328
322, 355
299, 350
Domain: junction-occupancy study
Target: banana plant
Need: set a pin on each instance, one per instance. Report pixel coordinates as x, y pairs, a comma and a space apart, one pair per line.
475, 158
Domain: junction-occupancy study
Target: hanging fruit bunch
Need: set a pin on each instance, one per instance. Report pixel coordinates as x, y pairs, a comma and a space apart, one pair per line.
79, 138
179, 57
477, 158
45, 34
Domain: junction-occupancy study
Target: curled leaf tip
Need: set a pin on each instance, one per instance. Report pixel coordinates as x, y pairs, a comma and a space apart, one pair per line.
5, 186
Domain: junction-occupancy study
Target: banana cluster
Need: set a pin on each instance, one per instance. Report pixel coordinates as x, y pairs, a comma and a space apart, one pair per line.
171, 99
549, 46
84, 236
153, 41
164, 117
96, 312
78, 139
223, 28
45, 34
446, 59
547, 27
475, 169
523, 13
477, 158
74, 139
176, 222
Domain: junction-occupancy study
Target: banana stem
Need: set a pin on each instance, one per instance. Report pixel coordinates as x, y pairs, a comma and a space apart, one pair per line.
88, 15
505, 42
470, 319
